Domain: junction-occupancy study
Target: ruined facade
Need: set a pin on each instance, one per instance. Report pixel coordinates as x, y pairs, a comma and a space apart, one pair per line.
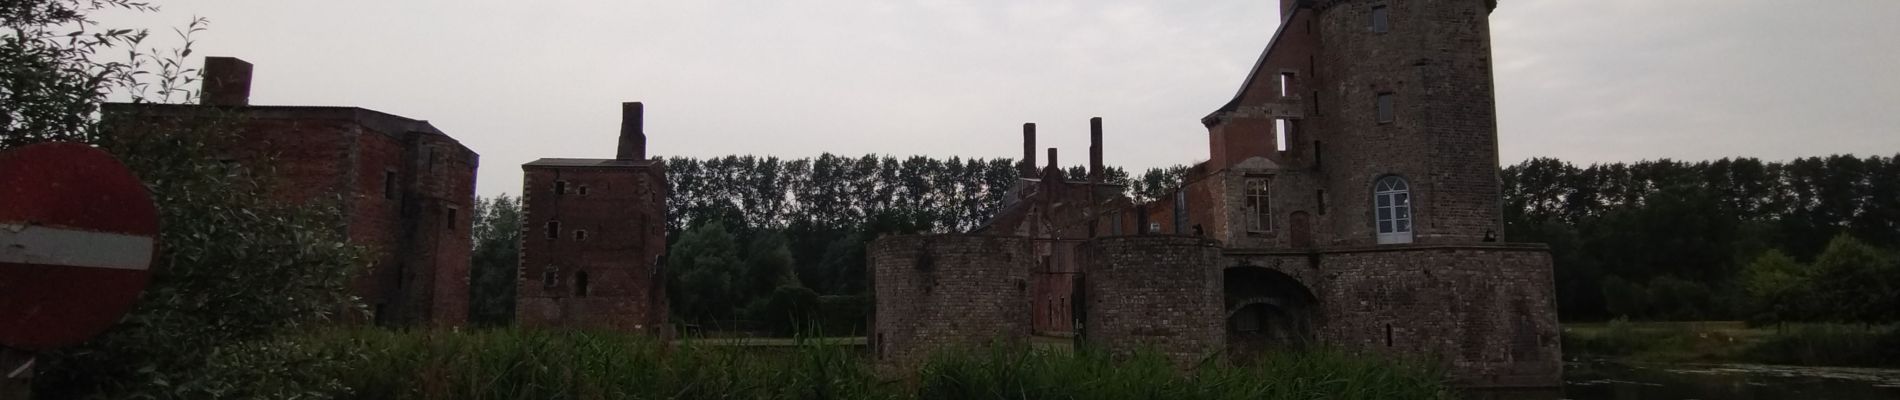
592, 235
405, 189
1350, 199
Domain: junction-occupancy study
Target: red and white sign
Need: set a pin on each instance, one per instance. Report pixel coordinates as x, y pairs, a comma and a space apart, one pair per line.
77, 235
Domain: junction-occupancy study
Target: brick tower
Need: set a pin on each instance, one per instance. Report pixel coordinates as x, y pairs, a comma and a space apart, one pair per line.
1411, 98
593, 232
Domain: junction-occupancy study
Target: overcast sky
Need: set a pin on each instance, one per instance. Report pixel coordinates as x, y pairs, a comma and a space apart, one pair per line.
1585, 81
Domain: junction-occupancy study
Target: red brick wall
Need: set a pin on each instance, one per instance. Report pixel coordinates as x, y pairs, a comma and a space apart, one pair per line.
623, 214
338, 156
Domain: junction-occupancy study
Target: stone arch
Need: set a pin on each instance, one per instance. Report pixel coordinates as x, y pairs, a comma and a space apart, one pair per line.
1267, 310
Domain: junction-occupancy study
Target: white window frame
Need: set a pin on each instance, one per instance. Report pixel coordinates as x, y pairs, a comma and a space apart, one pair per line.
1258, 195
1392, 213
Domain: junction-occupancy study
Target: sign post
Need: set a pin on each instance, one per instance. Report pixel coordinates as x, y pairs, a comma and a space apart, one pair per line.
77, 235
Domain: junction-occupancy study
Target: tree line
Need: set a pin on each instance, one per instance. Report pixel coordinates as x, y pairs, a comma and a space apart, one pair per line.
1733, 238
762, 238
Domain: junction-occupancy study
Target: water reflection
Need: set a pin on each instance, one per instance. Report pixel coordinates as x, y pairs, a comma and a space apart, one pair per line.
1610, 381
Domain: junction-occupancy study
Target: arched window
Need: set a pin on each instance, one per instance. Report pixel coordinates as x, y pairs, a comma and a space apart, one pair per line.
580, 283
1392, 207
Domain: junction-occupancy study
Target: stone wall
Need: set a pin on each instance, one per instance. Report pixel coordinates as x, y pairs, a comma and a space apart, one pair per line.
1487, 311
939, 291
1158, 292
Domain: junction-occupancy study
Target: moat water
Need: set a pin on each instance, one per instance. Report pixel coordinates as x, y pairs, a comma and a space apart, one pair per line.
1610, 381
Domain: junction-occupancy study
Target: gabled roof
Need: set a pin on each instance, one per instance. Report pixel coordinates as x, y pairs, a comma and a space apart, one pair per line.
1254, 73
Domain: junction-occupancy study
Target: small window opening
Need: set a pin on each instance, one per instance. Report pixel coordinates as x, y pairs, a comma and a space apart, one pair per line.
554, 230
449, 217
1318, 158
583, 190
1286, 84
1283, 132
389, 184
580, 235
1259, 215
1388, 335
580, 284
1320, 198
560, 187
550, 277
1381, 19
1385, 108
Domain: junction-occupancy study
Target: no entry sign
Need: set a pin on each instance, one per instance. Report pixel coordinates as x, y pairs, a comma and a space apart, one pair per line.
77, 236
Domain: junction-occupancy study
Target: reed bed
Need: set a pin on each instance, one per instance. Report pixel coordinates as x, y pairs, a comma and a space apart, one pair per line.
523, 364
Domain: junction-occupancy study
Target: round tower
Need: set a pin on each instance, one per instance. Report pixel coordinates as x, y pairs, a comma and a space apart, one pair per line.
1405, 103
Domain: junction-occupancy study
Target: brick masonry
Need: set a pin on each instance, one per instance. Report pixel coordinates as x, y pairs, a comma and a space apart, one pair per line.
1158, 293
1487, 312
592, 239
1316, 271
405, 189
936, 292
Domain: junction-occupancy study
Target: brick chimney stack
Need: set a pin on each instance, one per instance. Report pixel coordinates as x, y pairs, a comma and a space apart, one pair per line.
227, 82
1053, 165
633, 136
1028, 167
1095, 150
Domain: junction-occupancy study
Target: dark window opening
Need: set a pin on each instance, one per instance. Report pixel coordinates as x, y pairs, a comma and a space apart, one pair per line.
1381, 19
449, 217
1318, 159
580, 284
389, 184
1321, 200
560, 187
1385, 108
580, 235
550, 277
583, 190
554, 230
1388, 335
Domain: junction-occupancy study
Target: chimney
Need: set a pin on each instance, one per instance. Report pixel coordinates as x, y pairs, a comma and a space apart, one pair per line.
227, 82
633, 136
1095, 150
1053, 165
1028, 167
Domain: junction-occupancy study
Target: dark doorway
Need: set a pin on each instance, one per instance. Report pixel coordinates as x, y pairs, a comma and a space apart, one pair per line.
1267, 312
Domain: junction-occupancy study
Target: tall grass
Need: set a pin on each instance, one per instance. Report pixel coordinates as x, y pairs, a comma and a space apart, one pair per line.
1007, 373
519, 364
